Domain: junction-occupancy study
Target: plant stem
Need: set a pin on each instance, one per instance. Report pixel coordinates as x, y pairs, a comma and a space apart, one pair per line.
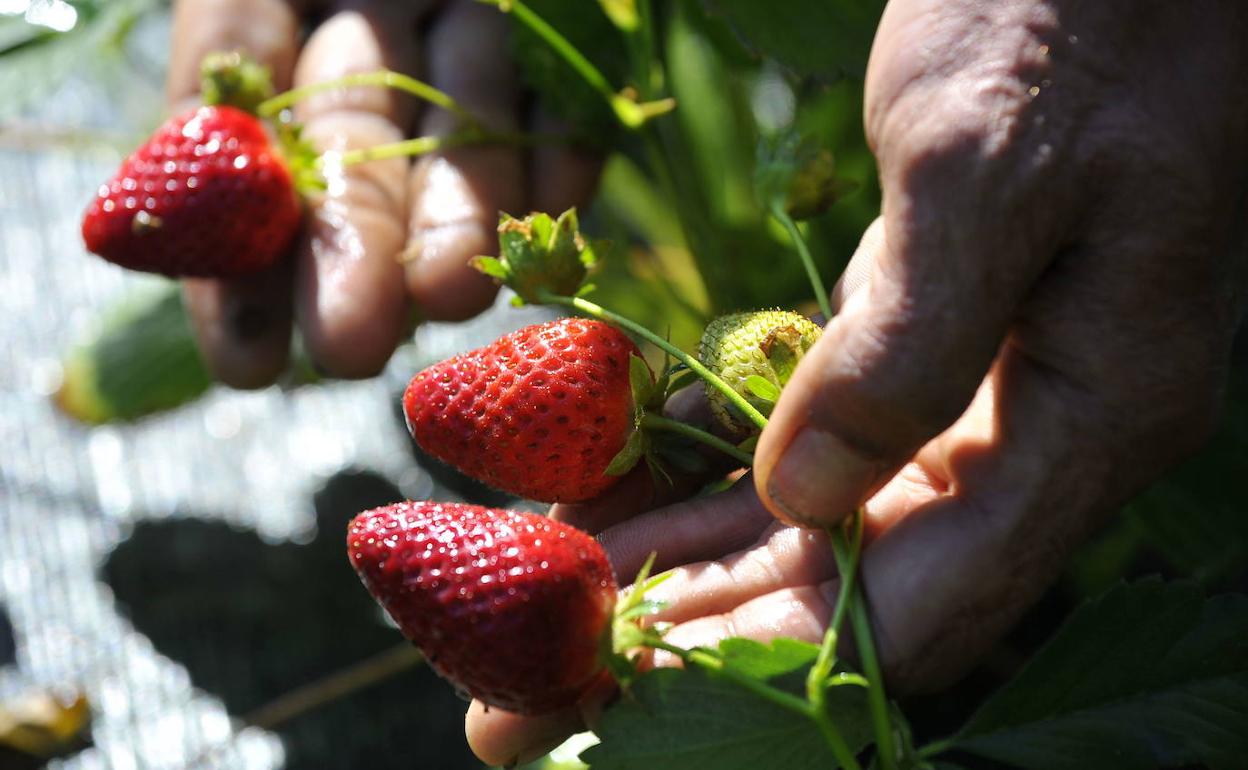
803, 251
629, 113
597, 311
381, 79
423, 145
934, 748
844, 757
337, 685
656, 422
847, 565
876, 698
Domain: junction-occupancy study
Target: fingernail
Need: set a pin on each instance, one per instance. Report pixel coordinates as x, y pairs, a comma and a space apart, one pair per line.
819, 479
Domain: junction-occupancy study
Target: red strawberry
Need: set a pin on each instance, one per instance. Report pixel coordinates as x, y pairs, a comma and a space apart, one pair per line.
207, 195
510, 607
540, 412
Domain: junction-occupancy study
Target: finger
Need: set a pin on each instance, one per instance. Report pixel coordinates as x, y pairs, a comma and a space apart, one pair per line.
784, 557
349, 298
265, 30
900, 361
798, 613
505, 739
698, 529
242, 326
561, 175
857, 273
456, 195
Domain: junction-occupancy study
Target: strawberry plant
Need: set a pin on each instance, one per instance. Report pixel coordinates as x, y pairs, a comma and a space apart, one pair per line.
709, 215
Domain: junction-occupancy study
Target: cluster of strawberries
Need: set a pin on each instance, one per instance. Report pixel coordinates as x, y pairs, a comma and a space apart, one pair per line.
553, 412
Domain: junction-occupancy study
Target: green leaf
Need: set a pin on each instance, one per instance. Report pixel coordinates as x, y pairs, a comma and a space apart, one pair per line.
1193, 517
640, 380
762, 388
490, 266
827, 39
689, 719
1150, 674
761, 661
623, 13
633, 449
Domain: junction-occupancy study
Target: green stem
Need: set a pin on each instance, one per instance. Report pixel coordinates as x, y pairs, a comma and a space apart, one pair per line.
844, 757
630, 114
876, 698
655, 422
846, 555
381, 79
422, 145
812, 272
601, 313
934, 748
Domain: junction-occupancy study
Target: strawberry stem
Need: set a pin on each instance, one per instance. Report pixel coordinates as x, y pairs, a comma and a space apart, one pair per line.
380, 79
808, 262
597, 311
847, 567
655, 422
630, 113
422, 145
338, 684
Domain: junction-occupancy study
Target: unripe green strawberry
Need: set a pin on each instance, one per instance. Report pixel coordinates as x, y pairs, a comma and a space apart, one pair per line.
755, 353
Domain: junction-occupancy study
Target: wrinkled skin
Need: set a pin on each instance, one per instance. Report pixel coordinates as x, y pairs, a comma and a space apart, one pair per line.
1038, 325
389, 239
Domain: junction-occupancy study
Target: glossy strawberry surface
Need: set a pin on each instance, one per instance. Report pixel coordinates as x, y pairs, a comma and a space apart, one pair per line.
540, 412
207, 195
511, 607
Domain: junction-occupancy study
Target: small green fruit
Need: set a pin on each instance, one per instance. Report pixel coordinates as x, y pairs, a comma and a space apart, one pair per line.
755, 353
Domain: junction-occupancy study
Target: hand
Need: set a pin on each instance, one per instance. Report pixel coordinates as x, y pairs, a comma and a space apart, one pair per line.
1035, 329
391, 231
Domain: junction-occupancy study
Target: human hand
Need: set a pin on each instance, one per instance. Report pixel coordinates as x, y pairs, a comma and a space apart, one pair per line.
1036, 328
389, 238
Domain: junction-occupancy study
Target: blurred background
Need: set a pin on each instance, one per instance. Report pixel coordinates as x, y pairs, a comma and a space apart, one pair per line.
172, 574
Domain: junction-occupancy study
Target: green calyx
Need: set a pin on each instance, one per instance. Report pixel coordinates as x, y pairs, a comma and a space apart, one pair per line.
796, 176
756, 354
621, 647
229, 77
539, 255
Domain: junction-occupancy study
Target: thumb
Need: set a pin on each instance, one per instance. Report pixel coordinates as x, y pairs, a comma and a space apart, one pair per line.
897, 365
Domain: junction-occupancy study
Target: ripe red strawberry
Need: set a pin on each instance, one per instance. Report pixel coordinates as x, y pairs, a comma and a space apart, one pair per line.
510, 607
207, 195
540, 412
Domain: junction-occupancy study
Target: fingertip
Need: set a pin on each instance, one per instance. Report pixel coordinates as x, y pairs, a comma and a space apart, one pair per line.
817, 480
505, 739
440, 279
242, 327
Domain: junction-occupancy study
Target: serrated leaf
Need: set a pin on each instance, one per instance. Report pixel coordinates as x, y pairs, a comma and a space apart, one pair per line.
1150, 674
826, 39
688, 719
762, 388
761, 661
